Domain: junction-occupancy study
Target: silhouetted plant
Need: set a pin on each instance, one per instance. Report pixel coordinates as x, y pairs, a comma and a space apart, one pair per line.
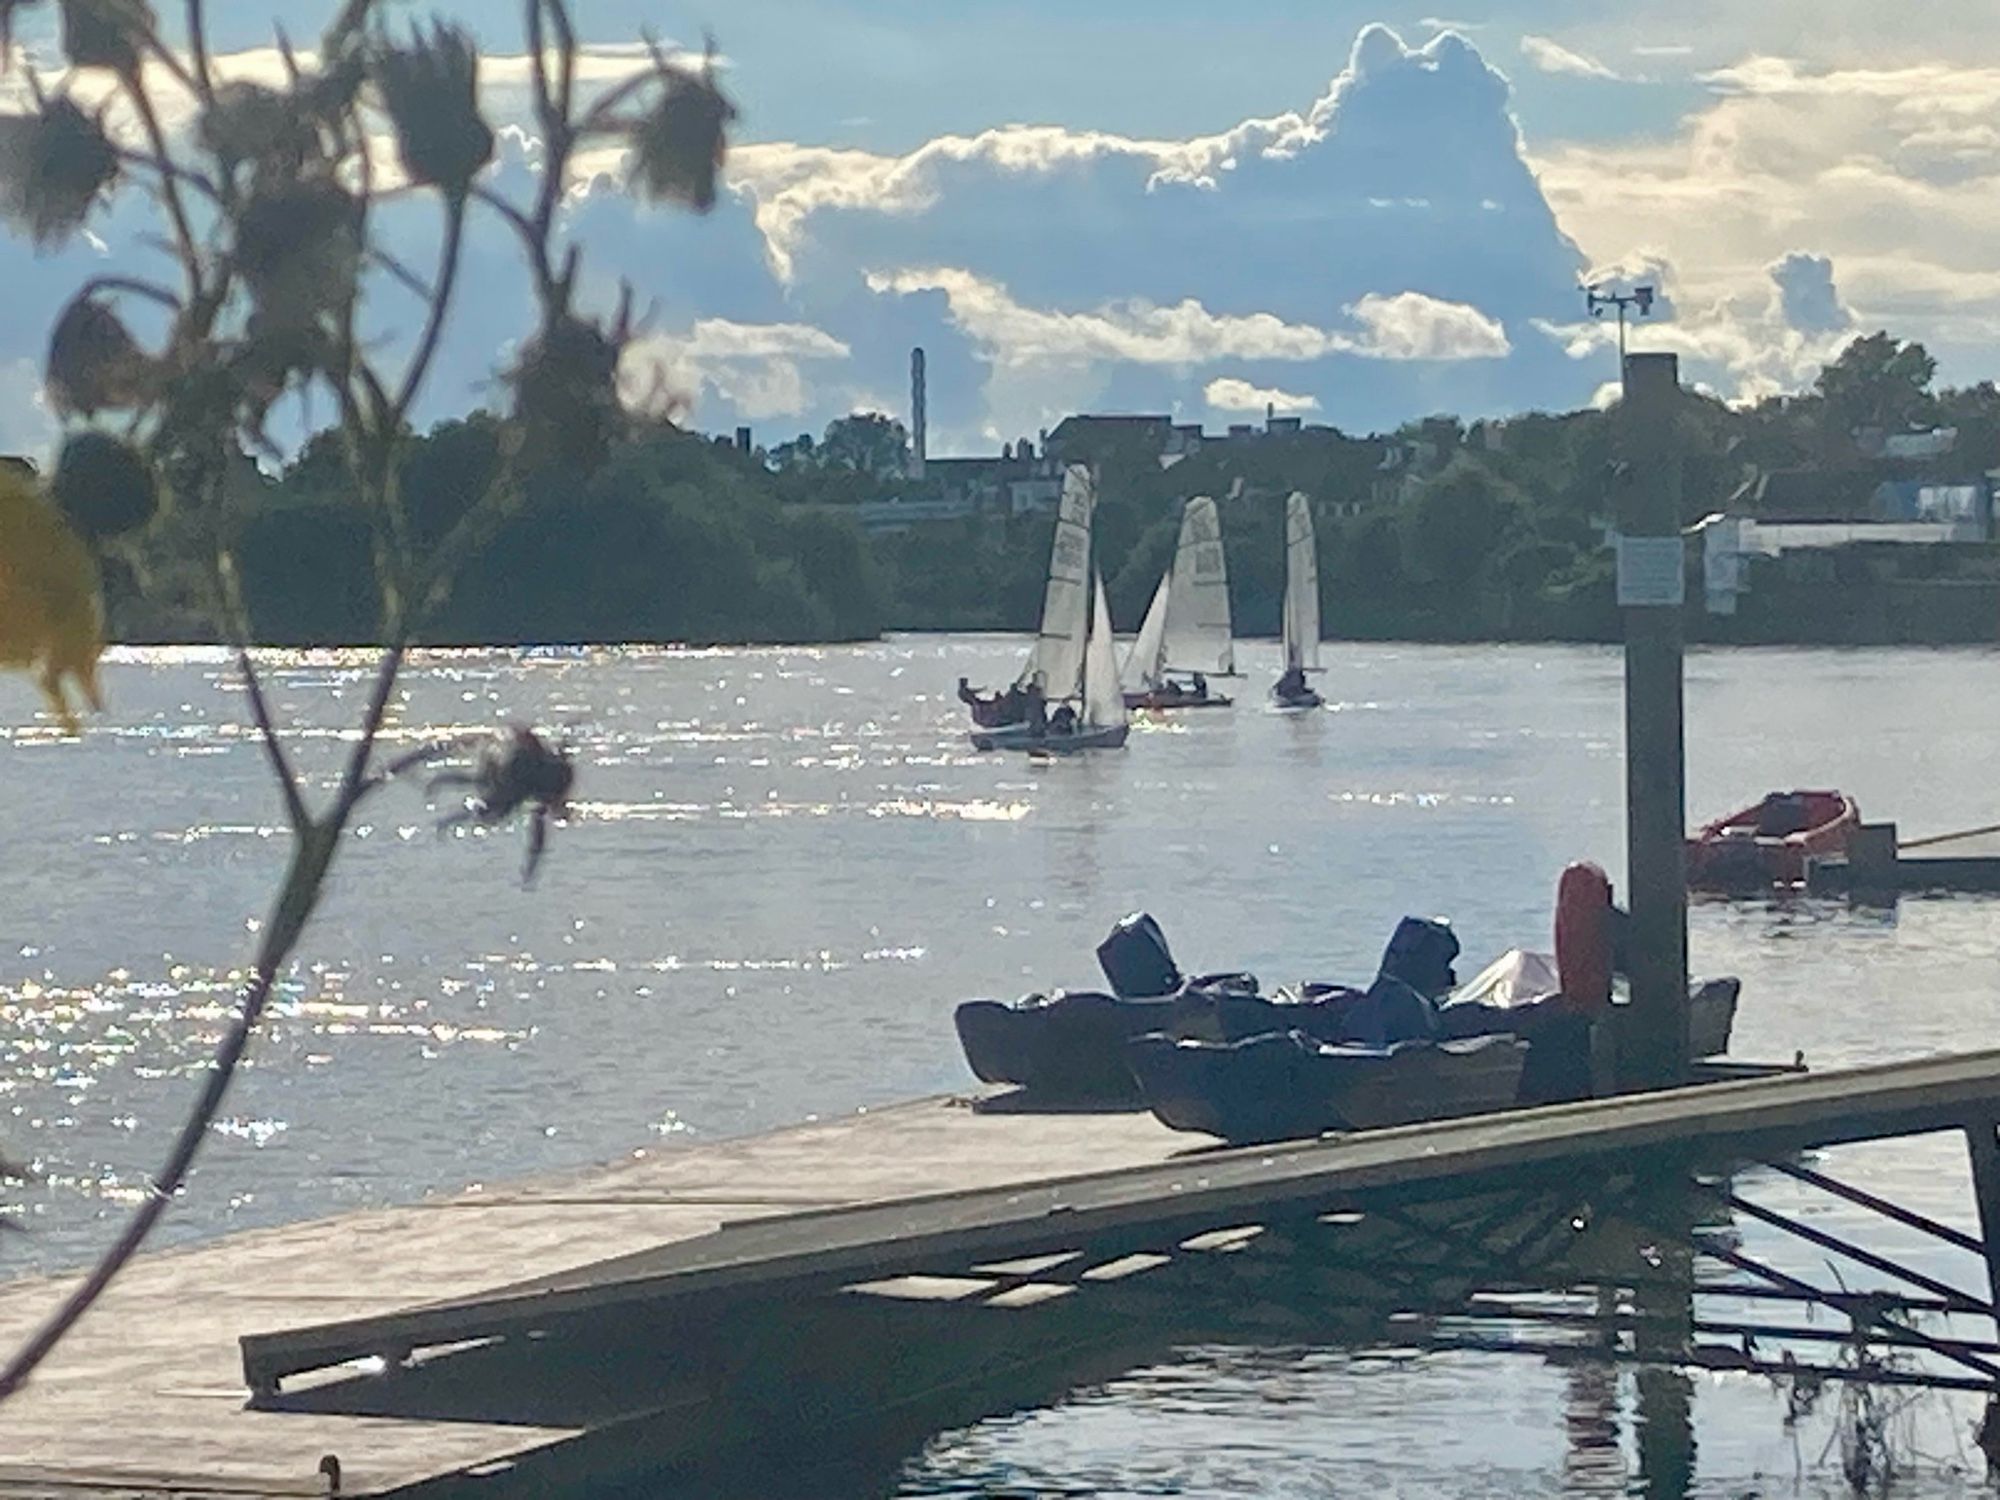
269, 202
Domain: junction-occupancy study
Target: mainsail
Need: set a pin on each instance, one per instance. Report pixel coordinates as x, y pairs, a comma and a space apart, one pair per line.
1148, 660
1059, 644
1103, 701
1198, 635
1301, 618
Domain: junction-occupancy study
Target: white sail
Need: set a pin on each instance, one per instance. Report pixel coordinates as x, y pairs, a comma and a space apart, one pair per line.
1147, 662
1103, 700
1198, 637
1301, 617
1058, 654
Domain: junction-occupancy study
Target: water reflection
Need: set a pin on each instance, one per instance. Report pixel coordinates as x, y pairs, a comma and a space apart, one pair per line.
789, 866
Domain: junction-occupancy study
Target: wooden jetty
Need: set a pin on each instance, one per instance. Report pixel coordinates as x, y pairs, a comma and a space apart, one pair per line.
545, 1335
1880, 862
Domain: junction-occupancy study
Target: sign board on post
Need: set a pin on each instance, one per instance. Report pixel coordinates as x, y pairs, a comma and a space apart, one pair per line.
1652, 572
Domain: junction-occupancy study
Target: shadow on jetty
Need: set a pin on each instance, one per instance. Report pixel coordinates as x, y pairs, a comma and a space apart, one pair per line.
834, 1393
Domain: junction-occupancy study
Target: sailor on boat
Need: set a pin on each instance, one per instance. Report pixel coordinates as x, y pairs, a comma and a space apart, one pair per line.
1292, 688
991, 710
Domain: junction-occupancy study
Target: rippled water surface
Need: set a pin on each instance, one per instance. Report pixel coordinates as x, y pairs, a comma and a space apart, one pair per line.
785, 868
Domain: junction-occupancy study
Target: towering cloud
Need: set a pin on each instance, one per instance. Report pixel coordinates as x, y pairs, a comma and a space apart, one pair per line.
1379, 251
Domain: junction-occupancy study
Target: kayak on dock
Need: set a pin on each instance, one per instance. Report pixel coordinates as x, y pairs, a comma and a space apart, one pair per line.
1771, 842
1215, 1053
1285, 1085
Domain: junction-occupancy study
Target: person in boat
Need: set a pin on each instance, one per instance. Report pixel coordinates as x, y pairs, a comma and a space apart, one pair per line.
1063, 720
1035, 706
1292, 684
1200, 686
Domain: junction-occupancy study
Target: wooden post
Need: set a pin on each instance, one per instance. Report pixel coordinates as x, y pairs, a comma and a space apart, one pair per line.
1982, 1142
1651, 591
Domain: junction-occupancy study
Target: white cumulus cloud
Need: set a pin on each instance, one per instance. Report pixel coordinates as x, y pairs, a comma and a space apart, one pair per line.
1228, 393
1551, 56
758, 369
1410, 325
1138, 332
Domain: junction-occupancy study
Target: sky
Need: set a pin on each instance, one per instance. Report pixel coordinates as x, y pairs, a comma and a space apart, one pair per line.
1339, 211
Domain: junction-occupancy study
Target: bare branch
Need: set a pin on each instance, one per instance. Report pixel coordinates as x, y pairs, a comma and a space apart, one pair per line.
267, 728
408, 278
355, 776
170, 193
531, 240
168, 59
448, 263
230, 587
132, 284
197, 28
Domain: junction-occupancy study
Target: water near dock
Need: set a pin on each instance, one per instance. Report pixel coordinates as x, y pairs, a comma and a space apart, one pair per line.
788, 866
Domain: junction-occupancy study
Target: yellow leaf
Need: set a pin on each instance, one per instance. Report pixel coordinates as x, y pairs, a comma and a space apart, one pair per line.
51, 614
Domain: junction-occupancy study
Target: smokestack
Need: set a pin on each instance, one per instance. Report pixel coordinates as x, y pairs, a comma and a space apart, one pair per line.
917, 417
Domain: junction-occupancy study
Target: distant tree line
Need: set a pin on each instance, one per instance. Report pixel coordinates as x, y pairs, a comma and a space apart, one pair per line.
1438, 531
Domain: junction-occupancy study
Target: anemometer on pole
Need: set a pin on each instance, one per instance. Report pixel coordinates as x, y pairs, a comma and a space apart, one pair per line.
1639, 298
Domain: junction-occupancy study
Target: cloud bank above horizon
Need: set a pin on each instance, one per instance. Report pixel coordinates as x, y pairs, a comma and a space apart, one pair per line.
1391, 247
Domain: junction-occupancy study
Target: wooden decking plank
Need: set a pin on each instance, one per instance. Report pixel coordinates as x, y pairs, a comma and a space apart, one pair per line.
149, 1394
882, 1238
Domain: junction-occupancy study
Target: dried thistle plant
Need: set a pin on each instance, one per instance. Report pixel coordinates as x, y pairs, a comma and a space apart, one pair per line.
55, 167
268, 204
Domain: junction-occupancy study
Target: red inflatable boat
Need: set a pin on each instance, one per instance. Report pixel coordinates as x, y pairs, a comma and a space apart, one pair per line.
1768, 843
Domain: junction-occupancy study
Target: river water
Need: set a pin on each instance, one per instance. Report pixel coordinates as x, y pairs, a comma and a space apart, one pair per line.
787, 866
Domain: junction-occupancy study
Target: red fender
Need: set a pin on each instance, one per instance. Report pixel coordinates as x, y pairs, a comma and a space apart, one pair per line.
1583, 938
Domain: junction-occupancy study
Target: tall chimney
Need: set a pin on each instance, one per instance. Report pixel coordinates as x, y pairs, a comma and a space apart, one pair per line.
917, 418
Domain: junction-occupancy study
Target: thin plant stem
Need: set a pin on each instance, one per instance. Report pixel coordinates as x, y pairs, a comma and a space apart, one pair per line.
170, 192
447, 279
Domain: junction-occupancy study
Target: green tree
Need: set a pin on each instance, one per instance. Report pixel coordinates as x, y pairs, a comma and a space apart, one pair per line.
1456, 521
1877, 381
867, 442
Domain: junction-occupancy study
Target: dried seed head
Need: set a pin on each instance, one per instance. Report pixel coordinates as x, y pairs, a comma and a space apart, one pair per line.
54, 166
331, 92
679, 145
566, 393
103, 487
106, 33
431, 91
250, 123
298, 245
94, 362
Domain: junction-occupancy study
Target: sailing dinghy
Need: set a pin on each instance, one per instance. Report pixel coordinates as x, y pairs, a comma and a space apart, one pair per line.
1055, 663
1301, 611
1186, 633
1090, 716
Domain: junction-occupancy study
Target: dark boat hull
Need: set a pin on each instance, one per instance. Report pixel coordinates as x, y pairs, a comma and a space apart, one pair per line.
1158, 702
1285, 1086
1068, 1047
1024, 737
